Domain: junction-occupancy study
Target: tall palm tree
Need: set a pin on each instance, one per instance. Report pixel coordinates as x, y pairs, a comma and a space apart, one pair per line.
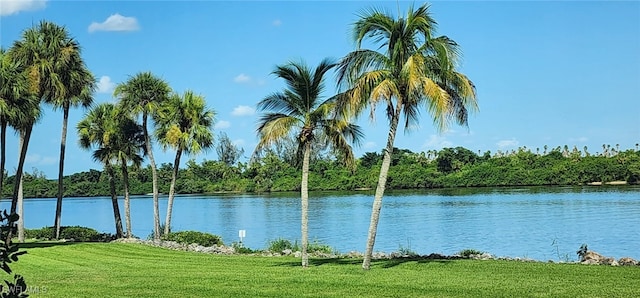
100, 128
183, 123
413, 69
13, 87
300, 111
142, 94
72, 86
26, 106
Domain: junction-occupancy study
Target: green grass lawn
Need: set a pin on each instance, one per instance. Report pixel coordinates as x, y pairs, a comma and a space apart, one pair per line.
135, 270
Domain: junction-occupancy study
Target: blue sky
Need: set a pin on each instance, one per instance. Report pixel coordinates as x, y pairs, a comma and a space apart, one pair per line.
547, 73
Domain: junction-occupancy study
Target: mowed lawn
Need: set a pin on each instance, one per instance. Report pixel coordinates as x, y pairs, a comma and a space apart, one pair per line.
135, 270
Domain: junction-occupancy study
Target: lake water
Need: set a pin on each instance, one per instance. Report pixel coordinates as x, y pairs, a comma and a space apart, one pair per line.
538, 223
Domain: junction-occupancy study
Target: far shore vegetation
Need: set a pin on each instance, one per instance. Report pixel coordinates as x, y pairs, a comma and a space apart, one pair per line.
447, 168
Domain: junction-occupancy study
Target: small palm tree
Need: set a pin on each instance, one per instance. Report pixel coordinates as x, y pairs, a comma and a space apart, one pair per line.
142, 94
100, 128
129, 147
183, 123
414, 69
299, 111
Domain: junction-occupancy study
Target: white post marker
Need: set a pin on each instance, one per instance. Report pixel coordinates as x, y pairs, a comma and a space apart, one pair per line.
242, 234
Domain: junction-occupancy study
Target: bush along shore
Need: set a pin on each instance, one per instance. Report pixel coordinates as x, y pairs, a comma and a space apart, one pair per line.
199, 242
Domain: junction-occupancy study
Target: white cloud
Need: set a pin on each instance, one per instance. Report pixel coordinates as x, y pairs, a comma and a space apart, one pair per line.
243, 111
105, 85
369, 145
36, 159
115, 22
436, 142
277, 23
579, 140
507, 143
238, 142
242, 78
9, 7
222, 124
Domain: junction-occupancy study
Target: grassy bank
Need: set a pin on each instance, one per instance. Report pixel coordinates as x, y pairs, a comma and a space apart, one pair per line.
134, 270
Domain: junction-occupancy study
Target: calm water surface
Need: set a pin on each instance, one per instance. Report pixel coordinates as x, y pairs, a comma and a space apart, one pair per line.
538, 223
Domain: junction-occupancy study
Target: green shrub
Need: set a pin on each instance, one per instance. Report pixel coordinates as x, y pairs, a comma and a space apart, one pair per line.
77, 233
9, 254
189, 237
407, 251
45, 233
317, 246
241, 249
281, 244
468, 252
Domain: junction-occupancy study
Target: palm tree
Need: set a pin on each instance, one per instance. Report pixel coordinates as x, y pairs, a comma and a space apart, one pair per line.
26, 107
299, 111
414, 69
100, 128
143, 93
183, 123
129, 147
13, 86
70, 84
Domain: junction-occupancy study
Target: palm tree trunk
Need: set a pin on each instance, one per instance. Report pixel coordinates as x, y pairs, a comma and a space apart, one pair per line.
382, 183
21, 199
154, 178
18, 177
176, 166
21, 212
3, 156
127, 202
114, 199
63, 142
304, 195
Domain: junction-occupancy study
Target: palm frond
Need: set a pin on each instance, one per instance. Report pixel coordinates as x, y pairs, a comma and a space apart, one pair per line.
274, 126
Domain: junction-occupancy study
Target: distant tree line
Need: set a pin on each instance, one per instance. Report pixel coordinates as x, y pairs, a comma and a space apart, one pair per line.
273, 172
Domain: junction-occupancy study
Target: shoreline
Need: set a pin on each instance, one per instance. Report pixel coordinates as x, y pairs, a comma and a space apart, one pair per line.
589, 258
361, 190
